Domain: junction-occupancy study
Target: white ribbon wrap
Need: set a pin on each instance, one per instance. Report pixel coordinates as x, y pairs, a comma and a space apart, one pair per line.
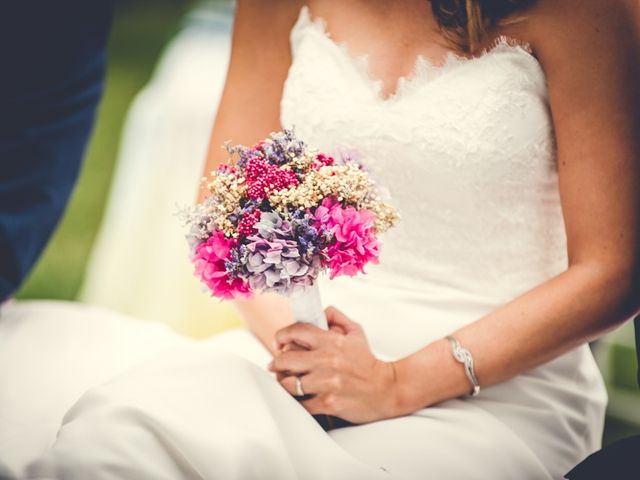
307, 307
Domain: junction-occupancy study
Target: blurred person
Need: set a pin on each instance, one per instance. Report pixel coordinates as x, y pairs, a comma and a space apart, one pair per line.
506, 132
53, 61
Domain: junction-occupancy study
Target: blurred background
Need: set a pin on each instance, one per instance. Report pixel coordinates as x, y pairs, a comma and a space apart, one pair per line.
120, 244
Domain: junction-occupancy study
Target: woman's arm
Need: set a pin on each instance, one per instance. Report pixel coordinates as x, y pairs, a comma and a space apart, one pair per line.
591, 64
250, 109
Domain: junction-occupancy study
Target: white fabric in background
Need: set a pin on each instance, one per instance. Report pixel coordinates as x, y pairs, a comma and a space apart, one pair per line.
139, 264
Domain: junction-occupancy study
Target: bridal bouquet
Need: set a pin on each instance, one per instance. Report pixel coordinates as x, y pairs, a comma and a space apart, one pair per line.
277, 215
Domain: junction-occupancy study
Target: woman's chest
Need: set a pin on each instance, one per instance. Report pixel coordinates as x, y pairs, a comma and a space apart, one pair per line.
486, 109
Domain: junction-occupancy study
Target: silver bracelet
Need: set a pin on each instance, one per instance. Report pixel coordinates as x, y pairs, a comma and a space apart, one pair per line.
463, 356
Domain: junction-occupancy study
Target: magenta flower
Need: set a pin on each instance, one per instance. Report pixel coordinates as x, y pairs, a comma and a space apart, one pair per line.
263, 177
323, 160
246, 224
210, 267
355, 243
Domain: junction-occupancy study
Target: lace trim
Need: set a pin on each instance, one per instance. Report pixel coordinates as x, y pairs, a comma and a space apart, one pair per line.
424, 69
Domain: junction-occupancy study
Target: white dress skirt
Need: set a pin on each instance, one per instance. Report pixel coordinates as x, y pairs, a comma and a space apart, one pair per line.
159, 406
465, 151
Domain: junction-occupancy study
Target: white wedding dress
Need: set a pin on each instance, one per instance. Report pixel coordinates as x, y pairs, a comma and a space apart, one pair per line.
466, 152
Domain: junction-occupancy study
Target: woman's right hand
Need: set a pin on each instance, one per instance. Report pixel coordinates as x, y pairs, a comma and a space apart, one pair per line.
298, 346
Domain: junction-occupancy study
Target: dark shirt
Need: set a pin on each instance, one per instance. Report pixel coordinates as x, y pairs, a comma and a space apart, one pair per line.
52, 61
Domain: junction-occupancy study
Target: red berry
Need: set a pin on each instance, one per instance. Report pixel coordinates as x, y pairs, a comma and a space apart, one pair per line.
246, 225
324, 159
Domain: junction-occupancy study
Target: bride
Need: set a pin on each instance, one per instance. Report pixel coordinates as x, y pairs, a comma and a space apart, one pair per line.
504, 132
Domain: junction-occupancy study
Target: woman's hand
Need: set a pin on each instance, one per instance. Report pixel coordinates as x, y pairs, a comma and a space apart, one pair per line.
337, 369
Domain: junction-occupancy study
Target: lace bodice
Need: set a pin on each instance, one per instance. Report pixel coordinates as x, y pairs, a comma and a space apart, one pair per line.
465, 150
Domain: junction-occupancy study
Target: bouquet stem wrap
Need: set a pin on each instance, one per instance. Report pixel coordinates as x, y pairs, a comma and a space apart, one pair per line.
307, 307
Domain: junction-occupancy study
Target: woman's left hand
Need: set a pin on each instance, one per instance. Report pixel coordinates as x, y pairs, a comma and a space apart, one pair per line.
337, 368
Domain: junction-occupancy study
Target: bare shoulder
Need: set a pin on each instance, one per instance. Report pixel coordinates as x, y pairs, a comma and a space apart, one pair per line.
273, 10
589, 50
274, 18
582, 29
261, 33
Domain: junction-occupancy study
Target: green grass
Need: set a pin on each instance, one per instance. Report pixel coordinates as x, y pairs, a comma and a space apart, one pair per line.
140, 31
624, 375
624, 378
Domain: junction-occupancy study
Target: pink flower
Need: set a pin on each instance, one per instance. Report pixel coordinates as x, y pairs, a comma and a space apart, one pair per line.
210, 267
322, 160
355, 243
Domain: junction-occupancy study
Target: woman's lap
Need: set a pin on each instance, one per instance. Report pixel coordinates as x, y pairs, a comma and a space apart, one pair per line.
430, 442
185, 394
201, 408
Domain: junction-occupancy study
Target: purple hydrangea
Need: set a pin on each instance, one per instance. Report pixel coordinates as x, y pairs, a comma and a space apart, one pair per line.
277, 258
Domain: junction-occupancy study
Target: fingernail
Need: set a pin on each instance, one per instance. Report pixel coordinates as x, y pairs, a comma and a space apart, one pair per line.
270, 365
